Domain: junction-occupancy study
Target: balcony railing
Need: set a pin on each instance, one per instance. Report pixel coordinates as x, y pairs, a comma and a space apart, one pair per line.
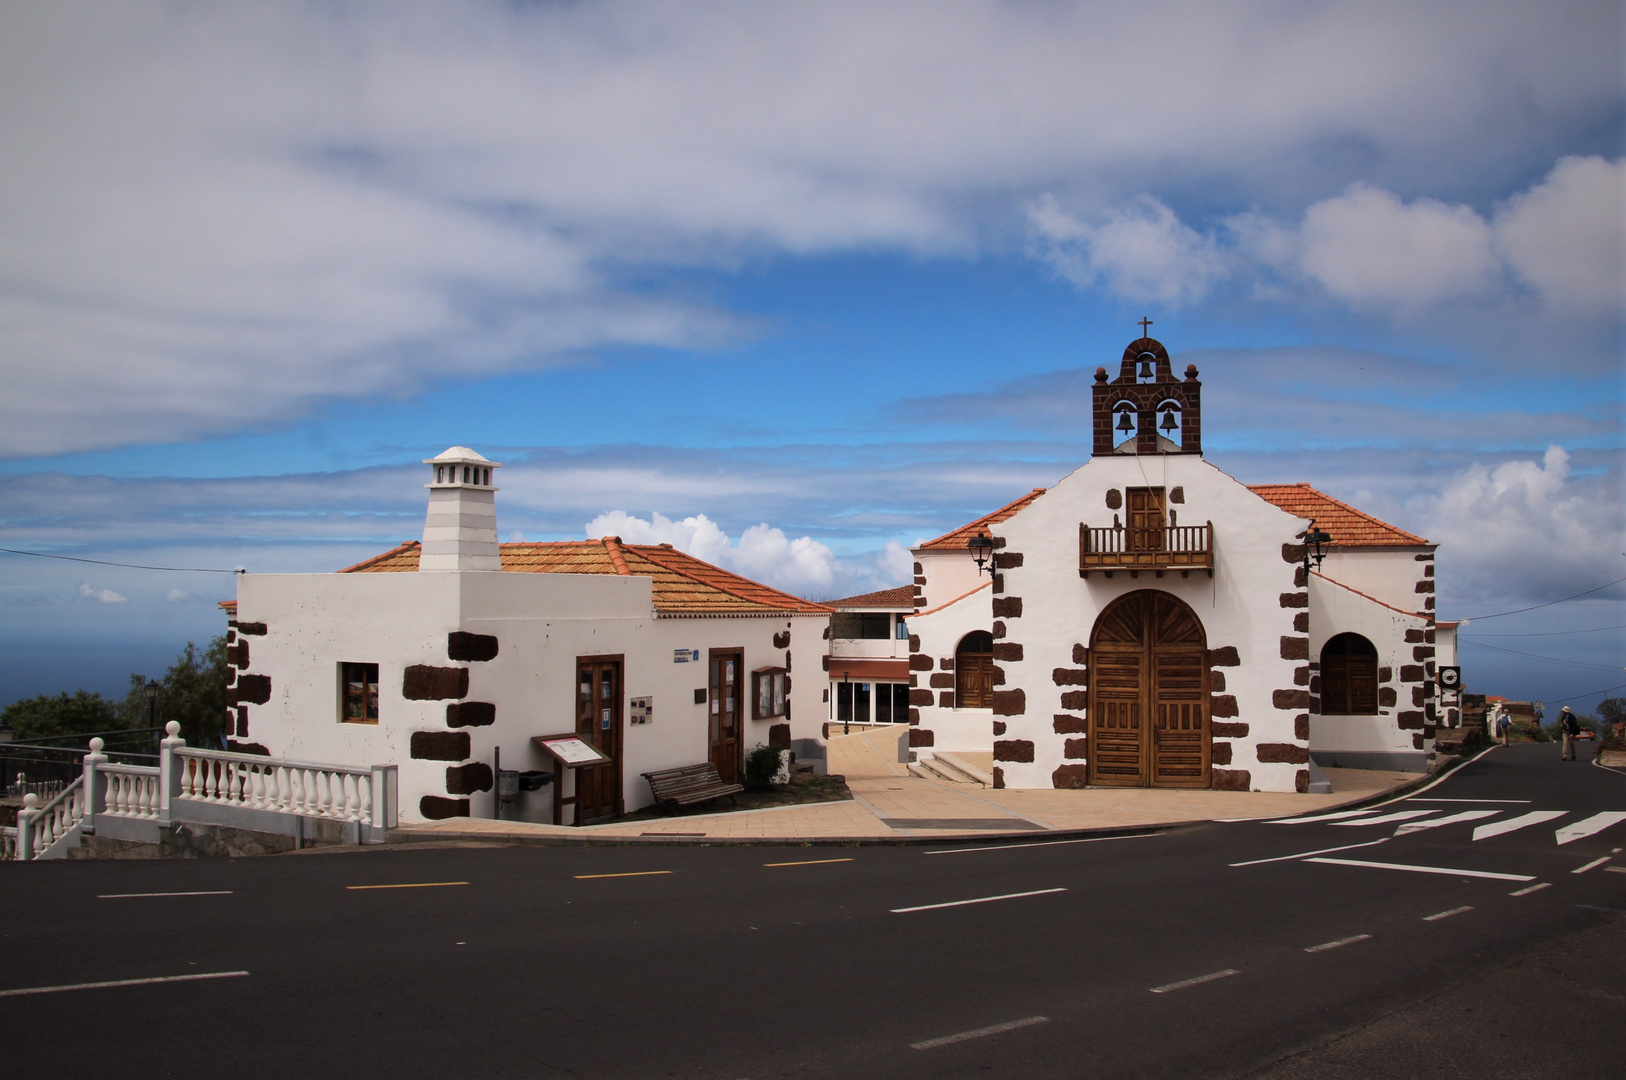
1176, 547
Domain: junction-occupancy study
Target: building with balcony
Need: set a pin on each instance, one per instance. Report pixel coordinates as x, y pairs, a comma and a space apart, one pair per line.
868, 661
1152, 621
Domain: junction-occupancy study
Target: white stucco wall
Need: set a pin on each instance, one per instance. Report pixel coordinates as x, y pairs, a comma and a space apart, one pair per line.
1400, 736
1390, 575
949, 575
940, 632
543, 622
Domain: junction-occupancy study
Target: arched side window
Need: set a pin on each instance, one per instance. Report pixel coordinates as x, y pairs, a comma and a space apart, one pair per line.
1349, 676
974, 671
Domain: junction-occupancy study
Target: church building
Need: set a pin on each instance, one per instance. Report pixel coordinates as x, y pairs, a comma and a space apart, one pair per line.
1151, 621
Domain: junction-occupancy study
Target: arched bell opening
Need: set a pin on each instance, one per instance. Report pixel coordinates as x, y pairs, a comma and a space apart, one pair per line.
1170, 426
1125, 427
1148, 695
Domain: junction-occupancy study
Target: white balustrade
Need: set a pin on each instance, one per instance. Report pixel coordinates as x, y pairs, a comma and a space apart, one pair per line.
8, 842
336, 792
38, 827
131, 791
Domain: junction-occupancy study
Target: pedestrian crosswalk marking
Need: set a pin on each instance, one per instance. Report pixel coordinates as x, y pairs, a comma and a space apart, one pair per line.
1499, 828
1402, 815
1337, 816
1449, 819
1594, 824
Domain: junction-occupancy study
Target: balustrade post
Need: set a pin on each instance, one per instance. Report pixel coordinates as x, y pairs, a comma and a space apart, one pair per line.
169, 771
385, 794
26, 818
94, 787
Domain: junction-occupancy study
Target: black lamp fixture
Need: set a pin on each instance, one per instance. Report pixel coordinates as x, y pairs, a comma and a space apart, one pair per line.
151, 690
1314, 538
982, 549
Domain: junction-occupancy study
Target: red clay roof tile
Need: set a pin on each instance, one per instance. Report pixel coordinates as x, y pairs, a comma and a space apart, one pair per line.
1347, 526
956, 540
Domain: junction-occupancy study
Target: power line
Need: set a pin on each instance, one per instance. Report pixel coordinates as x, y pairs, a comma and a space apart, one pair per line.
127, 566
1549, 603
1548, 659
1577, 697
1550, 633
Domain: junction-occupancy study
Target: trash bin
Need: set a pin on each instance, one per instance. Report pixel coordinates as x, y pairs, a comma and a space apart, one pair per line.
507, 785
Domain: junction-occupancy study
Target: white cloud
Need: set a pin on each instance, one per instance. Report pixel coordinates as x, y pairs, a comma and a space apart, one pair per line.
802, 566
365, 198
175, 596
1142, 251
1527, 529
1369, 248
101, 596
1567, 235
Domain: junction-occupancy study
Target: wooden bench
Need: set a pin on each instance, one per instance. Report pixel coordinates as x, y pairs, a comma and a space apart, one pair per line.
690, 784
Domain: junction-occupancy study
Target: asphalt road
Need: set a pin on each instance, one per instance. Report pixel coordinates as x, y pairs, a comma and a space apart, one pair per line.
1177, 954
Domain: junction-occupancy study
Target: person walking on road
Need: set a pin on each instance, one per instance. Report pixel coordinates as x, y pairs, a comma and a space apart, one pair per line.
1570, 728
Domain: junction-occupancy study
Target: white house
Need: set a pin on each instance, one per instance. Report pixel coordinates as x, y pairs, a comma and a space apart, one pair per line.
1151, 621
436, 655
868, 660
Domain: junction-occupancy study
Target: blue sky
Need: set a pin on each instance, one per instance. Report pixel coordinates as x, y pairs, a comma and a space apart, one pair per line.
794, 286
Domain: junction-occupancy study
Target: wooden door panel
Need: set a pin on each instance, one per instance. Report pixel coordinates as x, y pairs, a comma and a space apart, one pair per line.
598, 723
1148, 698
725, 706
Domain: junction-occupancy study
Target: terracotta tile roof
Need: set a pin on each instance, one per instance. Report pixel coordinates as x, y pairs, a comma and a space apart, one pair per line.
956, 540
901, 597
1347, 526
682, 584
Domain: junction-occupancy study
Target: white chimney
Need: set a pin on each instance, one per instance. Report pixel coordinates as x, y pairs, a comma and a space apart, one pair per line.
460, 531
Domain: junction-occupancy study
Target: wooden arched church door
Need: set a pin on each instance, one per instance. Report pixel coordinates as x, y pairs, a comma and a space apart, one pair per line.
1148, 705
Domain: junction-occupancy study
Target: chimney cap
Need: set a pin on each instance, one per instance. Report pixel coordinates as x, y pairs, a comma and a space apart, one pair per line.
461, 455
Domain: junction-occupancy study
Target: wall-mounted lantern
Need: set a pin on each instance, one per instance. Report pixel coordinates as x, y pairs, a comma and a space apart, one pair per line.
982, 549
1313, 539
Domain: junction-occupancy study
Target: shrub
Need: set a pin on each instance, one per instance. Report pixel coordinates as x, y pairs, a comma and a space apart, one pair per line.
760, 766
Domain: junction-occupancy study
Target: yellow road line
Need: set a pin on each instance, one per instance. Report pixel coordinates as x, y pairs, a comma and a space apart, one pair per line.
809, 862
633, 873
411, 885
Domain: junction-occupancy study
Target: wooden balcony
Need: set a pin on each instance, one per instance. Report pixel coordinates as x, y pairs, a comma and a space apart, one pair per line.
1179, 547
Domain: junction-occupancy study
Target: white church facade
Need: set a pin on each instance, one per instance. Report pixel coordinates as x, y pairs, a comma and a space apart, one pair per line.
1152, 621
438, 655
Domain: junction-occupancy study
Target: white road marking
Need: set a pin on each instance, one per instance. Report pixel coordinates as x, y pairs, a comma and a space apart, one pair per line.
1474, 800
1182, 984
1427, 869
1597, 823
121, 982
1616, 869
1339, 816
1438, 915
138, 895
1528, 889
1500, 828
1595, 907
978, 900
1449, 819
1042, 843
996, 1029
1595, 862
1385, 819
1305, 854
1323, 947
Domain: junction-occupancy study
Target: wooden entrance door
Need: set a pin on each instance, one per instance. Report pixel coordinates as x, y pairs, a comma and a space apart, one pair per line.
598, 723
725, 708
1148, 705
974, 671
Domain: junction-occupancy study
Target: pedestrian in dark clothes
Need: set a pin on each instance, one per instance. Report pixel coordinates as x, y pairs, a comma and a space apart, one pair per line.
1570, 727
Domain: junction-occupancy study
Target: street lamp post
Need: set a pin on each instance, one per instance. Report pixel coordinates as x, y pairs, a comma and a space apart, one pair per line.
151, 690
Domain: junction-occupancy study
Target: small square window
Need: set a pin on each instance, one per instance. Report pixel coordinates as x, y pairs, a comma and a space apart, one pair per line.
358, 693
767, 693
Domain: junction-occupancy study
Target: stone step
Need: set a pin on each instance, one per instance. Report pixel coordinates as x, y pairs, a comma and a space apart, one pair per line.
946, 767
955, 761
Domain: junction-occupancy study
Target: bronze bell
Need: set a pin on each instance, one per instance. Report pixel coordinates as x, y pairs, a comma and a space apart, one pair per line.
1168, 420
1124, 423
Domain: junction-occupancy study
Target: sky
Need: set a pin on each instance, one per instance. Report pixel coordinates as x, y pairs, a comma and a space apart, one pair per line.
795, 286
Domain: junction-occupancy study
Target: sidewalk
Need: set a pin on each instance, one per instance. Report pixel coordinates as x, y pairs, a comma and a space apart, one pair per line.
889, 804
